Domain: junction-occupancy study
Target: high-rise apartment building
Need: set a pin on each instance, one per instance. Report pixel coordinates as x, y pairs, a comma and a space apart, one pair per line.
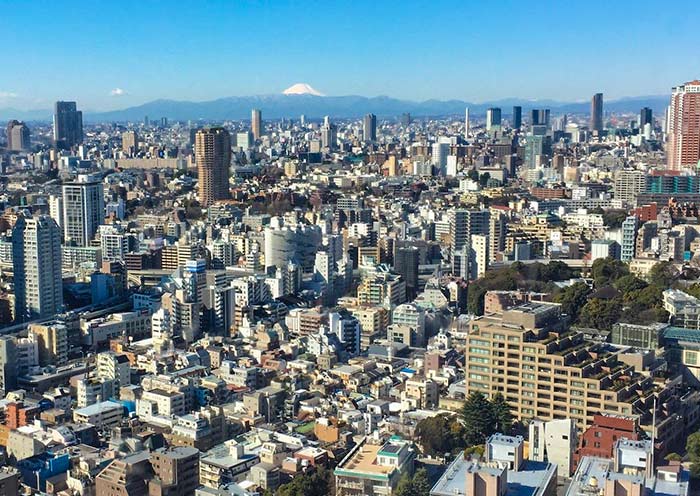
130, 142
176, 471
597, 113
369, 127
546, 371
83, 210
463, 224
8, 363
213, 157
52, 342
517, 117
629, 238
683, 145
67, 125
256, 123
17, 136
628, 184
36, 254
493, 118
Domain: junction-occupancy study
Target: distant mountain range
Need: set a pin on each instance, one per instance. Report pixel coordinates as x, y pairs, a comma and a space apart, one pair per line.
313, 106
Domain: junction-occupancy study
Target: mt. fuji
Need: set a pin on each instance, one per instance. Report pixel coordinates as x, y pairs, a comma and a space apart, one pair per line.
302, 89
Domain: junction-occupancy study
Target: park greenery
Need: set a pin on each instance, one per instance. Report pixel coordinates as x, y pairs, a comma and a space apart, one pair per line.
480, 417
616, 295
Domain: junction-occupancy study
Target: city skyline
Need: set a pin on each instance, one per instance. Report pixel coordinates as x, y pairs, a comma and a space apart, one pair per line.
475, 52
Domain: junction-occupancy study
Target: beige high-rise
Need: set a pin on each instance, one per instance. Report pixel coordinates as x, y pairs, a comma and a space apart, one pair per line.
213, 156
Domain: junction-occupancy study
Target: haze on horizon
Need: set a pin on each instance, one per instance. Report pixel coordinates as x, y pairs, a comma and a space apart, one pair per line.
129, 53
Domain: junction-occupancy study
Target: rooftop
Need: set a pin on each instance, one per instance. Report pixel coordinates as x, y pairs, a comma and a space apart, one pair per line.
531, 480
592, 472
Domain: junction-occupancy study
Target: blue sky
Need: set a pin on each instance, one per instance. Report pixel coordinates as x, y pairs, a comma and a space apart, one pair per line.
476, 51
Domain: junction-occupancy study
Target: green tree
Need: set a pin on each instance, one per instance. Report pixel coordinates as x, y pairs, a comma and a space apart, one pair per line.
439, 435
608, 270
572, 299
478, 419
316, 483
692, 446
500, 411
473, 174
614, 218
600, 314
629, 283
663, 274
416, 486
484, 179
673, 457
693, 290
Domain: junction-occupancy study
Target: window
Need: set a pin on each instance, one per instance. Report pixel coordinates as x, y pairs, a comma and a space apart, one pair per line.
691, 358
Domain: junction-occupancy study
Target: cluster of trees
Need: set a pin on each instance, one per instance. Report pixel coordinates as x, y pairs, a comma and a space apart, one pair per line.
316, 483
534, 277
418, 485
692, 446
619, 295
478, 420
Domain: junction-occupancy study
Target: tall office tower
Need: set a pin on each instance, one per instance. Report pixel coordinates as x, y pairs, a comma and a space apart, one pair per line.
466, 123
213, 157
597, 112
8, 364
130, 142
497, 234
493, 118
36, 258
645, 117
83, 210
329, 134
406, 265
256, 123
517, 117
683, 148
369, 127
539, 117
17, 136
406, 119
67, 125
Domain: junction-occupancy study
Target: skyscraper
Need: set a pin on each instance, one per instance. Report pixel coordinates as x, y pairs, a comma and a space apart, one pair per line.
17, 136
256, 123
406, 264
213, 157
369, 127
645, 117
36, 253
539, 117
466, 123
683, 147
493, 118
329, 134
83, 210
463, 224
67, 125
597, 112
517, 117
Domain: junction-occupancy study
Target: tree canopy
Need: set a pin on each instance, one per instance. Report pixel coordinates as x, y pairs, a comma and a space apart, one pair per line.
482, 417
